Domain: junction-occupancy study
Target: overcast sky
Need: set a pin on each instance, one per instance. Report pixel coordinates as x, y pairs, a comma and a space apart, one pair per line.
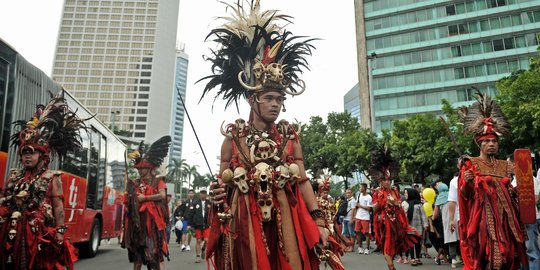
31, 27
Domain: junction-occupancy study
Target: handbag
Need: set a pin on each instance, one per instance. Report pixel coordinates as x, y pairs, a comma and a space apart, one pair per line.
427, 242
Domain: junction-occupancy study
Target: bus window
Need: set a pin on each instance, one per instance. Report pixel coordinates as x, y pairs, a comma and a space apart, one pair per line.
101, 172
77, 162
95, 180
116, 166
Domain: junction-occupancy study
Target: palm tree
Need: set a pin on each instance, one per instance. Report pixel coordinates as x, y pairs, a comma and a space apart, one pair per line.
189, 173
177, 174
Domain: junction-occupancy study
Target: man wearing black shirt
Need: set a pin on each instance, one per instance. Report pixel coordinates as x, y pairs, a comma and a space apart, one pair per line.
189, 207
199, 220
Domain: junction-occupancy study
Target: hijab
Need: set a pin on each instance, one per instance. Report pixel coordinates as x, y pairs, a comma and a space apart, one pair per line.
442, 197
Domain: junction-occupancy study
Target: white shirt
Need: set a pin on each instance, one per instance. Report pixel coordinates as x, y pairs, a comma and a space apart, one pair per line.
453, 195
537, 191
351, 204
361, 213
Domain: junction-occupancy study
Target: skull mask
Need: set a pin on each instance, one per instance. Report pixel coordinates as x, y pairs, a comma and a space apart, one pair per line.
258, 71
240, 179
12, 234
263, 175
283, 176
48, 209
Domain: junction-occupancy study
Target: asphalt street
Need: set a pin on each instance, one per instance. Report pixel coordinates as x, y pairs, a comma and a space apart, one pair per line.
112, 256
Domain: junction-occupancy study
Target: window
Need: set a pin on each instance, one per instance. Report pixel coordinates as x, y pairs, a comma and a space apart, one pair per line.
502, 67
488, 46
450, 10
459, 73
453, 30
516, 20
484, 25
509, 43
495, 23
479, 70
491, 68
470, 72
498, 45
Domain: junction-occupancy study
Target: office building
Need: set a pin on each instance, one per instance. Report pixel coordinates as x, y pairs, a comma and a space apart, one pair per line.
118, 58
179, 94
414, 53
351, 102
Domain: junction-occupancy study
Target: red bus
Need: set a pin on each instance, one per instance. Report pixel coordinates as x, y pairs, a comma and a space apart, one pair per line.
93, 178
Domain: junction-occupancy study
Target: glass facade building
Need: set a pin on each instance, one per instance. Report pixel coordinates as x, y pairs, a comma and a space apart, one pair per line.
118, 58
429, 50
179, 93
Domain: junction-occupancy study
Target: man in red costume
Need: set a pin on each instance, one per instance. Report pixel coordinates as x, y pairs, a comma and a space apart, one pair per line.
489, 229
147, 214
31, 208
392, 231
266, 214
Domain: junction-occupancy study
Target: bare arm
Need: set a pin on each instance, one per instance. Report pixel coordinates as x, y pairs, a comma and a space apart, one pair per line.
156, 197
305, 187
57, 201
218, 189
452, 215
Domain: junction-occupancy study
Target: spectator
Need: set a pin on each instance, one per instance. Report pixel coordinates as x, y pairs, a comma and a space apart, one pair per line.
453, 218
348, 222
178, 220
188, 232
418, 220
199, 220
361, 227
441, 209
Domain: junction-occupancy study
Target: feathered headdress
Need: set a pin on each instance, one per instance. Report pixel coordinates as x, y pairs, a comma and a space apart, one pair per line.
53, 128
323, 183
484, 118
154, 156
254, 53
383, 165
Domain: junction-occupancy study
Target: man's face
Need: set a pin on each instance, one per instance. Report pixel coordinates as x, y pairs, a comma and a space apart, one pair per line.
191, 194
143, 172
489, 146
178, 202
30, 158
348, 193
269, 105
362, 188
386, 183
202, 196
324, 194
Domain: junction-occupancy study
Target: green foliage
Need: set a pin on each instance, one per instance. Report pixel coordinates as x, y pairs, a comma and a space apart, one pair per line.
519, 98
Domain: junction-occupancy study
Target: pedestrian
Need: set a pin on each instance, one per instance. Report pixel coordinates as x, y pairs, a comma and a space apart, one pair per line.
533, 251
32, 204
189, 207
453, 219
199, 221
418, 220
147, 215
178, 221
442, 209
266, 212
392, 231
170, 222
488, 214
361, 225
348, 220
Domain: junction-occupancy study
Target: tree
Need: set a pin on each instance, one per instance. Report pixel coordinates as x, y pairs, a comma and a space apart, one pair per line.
190, 172
519, 98
313, 138
176, 174
201, 181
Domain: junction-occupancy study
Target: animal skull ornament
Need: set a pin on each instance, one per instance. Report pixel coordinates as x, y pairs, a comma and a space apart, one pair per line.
227, 176
33, 225
266, 205
12, 234
240, 125
21, 197
14, 218
282, 176
142, 188
294, 173
263, 176
48, 209
258, 70
240, 179
274, 72
264, 150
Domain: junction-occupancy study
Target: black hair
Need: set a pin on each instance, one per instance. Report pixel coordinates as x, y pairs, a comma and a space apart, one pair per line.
191, 190
203, 191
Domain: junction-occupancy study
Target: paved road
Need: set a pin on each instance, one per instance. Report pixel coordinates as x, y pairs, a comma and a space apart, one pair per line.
111, 256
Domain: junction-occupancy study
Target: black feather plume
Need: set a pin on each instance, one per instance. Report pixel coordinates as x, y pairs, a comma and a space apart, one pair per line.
158, 151
383, 164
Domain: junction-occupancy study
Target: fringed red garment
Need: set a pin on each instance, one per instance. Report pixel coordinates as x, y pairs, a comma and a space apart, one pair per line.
490, 232
393, 233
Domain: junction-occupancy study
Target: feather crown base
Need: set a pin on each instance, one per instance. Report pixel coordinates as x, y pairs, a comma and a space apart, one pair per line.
383, 165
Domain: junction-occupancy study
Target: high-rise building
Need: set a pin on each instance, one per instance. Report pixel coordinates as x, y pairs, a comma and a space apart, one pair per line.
422, 51
351, 102
177, 134
118, 58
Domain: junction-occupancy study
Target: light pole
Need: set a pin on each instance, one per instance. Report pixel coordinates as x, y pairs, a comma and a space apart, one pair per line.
113, 119
371, 58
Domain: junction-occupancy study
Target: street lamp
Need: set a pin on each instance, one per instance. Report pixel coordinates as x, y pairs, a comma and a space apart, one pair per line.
370, 59
113, 119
